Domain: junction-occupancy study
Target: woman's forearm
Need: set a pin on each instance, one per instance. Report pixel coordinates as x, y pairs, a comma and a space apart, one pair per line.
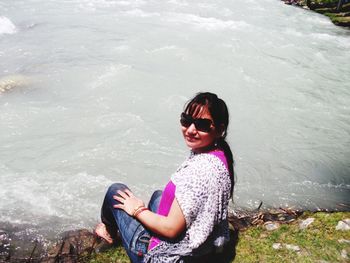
167, 226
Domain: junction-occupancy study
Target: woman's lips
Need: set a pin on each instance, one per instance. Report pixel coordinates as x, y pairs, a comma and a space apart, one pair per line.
190, 138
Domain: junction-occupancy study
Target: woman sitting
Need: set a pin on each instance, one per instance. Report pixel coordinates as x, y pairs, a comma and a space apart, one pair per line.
189, 219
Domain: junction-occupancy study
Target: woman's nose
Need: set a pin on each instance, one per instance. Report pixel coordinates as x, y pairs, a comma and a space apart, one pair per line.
192, 129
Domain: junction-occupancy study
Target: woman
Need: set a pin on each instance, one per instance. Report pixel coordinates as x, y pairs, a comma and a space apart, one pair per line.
188, 220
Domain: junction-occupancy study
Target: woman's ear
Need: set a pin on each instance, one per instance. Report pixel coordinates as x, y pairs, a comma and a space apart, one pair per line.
220, 131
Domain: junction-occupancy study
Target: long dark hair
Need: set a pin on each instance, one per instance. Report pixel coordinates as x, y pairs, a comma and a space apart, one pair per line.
219, 112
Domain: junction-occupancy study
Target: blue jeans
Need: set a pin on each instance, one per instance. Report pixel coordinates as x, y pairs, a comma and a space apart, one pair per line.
135, 238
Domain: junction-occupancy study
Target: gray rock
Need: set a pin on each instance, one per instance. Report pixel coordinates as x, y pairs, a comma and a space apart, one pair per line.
73, 245
13, 81
5, 242
276, 246
305, 223
287, 246
292, 247
344, 254
343, 225
270, 226
20, 243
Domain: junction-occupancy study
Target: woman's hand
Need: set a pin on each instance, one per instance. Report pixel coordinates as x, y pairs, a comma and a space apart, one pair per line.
169, 226
128, 202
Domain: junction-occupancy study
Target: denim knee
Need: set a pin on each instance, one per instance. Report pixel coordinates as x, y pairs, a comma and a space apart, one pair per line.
154, 201
157, 194
112, 190
115, 187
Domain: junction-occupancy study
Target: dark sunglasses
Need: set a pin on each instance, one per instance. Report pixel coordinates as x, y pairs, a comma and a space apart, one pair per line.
203, 125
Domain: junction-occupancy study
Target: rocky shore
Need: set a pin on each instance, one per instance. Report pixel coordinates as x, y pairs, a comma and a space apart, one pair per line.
83, 246
339, 16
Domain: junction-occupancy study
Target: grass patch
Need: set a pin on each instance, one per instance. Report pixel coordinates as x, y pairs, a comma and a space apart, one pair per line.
114, 255
335, 2
339, 18
320, 241
329, 8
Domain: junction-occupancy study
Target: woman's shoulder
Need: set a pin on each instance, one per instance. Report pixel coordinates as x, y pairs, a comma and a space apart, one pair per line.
205, 166
202, 166
210, 159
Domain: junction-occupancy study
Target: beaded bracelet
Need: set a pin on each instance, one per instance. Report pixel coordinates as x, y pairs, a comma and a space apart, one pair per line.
139, 211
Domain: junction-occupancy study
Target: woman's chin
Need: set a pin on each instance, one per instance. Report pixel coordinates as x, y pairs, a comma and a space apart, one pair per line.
199, 148
192, 146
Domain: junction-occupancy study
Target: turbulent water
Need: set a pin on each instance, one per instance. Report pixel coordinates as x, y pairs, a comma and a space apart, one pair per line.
91, 92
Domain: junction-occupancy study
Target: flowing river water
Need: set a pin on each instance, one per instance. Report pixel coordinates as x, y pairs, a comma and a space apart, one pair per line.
92, 90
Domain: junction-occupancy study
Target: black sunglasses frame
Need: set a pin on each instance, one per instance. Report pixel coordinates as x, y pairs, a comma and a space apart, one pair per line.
203, 125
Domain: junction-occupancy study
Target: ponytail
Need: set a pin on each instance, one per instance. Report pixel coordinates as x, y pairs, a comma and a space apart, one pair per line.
223, 145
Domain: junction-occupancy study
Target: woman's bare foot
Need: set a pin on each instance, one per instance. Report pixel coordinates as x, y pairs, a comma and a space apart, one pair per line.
102, 232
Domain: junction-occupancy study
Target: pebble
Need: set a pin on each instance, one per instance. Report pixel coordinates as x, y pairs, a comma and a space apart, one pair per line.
292, 247
305, 223
271, 226
344, 254
276, 246
4, 245
343, 225
342, 241
287, 246
13, 81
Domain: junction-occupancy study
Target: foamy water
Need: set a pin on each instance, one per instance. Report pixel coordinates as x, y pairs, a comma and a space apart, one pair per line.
6, 26
91, 92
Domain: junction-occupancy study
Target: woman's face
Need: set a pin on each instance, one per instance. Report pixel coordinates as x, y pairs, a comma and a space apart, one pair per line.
200, 141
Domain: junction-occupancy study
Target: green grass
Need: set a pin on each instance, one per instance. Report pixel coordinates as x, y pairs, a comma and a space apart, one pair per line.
116, 255
320, 241
339, 19
326, 1
329, 8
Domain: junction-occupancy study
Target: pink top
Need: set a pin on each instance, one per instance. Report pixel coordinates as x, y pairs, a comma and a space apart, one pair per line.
221, 156
168, 196
167, 199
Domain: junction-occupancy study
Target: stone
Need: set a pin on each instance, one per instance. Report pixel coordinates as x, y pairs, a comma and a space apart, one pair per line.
5, 242
13, 81
73, 245
292, 247
20, 243
270, 226
305, 223
344, 254
343, 225
342, 241
263, 235
276, 246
